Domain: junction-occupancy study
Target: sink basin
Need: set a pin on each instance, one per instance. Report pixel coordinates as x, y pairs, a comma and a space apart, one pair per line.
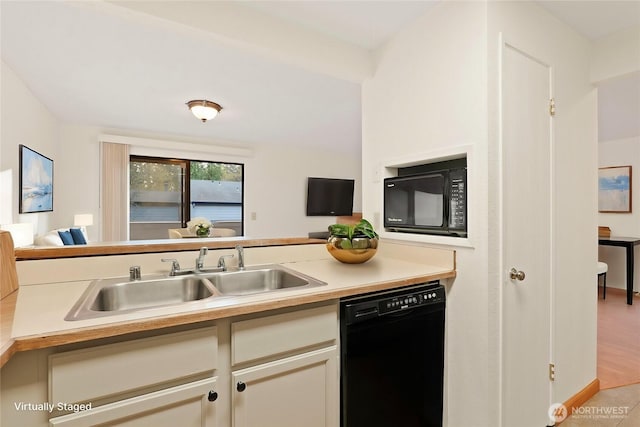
115, 296
128, 295
260, 279
107, 297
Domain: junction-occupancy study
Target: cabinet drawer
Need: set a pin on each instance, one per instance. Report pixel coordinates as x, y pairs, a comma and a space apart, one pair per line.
185, 406
283, 333
89, 374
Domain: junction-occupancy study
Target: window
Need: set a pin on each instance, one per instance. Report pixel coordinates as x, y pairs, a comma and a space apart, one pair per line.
216, 191
161, 198
156, 190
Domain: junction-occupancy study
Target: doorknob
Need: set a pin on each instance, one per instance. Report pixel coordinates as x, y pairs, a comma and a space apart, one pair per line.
516, 274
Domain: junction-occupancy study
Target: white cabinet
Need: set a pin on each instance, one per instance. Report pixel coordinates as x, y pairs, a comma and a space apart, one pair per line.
276, 368
296, 391
186, 405
286, 370
166, 380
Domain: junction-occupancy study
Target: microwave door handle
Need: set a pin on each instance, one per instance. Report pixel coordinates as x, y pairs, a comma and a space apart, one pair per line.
447, 204
447, 213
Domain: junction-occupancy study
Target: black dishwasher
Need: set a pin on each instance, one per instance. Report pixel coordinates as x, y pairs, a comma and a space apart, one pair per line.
392, 357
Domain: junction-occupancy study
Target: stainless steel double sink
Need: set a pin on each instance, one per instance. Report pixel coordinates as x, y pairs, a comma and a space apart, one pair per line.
106, 297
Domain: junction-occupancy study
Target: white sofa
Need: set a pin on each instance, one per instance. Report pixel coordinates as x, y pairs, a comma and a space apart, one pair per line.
52, 238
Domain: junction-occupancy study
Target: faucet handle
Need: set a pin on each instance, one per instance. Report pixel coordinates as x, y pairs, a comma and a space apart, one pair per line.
221, 262
175, 266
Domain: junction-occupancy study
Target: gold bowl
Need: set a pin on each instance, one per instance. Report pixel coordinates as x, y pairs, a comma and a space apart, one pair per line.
361, 250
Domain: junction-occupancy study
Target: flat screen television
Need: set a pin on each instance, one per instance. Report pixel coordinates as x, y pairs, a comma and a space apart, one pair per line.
329, 196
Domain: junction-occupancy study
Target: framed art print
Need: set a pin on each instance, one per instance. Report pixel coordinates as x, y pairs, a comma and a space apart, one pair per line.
614, 189
36, 181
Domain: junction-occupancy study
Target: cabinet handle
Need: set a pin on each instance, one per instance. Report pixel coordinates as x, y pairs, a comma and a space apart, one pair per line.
213, 396
241, 386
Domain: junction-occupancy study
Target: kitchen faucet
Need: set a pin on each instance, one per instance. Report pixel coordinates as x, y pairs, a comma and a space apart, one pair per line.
240, 250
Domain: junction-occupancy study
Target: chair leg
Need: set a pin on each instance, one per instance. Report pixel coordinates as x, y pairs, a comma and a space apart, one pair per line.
604, 284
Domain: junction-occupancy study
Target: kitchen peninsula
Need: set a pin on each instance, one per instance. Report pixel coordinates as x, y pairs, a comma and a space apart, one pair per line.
49, 286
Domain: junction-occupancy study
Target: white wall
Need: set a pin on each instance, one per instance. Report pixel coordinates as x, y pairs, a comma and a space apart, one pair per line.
428, 95
25, 120
621, 152
436, 88
277, 189
79, 181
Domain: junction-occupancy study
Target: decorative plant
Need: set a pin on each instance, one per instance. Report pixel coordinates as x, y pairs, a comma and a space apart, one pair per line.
199, 226
363, 229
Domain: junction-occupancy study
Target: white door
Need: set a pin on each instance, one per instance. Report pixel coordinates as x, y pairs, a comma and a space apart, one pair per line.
526, 238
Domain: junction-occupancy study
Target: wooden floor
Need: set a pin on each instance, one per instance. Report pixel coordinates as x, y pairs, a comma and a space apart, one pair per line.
618, 339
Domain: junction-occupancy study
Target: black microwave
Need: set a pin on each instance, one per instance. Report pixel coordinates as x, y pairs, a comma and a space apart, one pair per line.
430, 203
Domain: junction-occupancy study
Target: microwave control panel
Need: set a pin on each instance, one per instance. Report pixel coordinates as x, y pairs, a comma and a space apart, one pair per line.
458, 199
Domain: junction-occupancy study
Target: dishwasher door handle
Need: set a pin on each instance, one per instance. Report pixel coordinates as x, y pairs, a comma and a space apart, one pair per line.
366, 313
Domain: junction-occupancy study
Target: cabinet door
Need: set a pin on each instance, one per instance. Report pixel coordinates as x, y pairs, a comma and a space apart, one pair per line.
297, 391
187, 405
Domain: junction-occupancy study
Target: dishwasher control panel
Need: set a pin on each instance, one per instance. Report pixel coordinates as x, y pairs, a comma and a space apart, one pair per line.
411, 300
364, 307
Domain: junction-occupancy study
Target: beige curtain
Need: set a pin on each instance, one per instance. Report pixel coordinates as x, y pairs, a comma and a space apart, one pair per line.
114, 200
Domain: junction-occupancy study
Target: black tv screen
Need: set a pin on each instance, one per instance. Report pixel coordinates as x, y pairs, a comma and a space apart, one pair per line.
328, 196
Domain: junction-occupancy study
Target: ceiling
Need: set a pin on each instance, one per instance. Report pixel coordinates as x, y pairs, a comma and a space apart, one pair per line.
92, 65
595, 19
367, 24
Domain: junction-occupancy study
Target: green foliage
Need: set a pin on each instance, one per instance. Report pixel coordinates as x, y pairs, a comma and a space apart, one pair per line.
362, 229
216, 171
150, 176
162, 176
206, 171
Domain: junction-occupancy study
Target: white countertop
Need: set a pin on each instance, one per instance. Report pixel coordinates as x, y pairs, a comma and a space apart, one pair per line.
41, 309
33, 317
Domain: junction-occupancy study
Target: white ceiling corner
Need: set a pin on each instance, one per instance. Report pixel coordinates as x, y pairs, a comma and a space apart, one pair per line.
595, 19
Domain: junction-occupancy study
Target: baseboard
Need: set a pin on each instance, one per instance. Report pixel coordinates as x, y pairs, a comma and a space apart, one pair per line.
582, 396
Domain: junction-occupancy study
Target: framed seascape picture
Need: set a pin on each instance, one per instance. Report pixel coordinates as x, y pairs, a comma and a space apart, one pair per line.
36, 181
614, 189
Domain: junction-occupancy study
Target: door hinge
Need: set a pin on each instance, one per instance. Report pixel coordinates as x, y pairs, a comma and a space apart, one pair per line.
552, 372
552, 107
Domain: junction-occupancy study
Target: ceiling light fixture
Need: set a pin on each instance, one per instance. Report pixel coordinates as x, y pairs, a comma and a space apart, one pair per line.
203, 109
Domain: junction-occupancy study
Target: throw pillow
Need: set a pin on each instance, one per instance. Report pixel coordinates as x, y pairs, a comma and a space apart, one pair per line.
66, 237
77, 236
